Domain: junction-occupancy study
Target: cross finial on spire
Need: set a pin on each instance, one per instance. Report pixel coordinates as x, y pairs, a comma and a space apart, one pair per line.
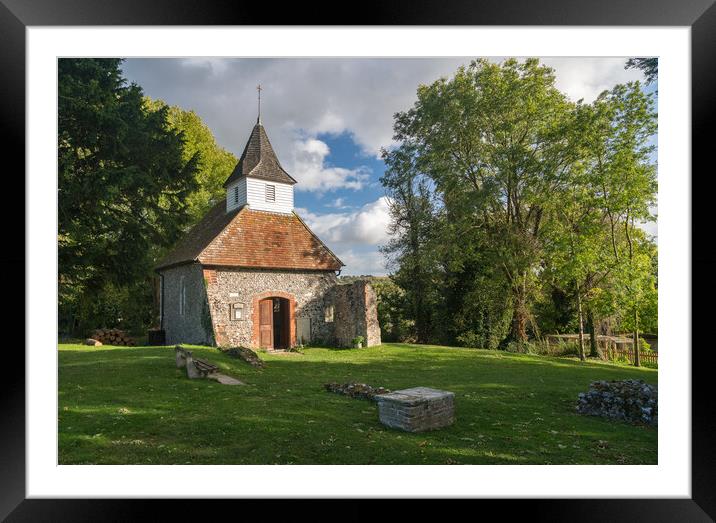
259, 89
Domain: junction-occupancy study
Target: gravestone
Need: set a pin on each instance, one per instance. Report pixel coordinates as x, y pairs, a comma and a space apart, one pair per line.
303, 330
417, 409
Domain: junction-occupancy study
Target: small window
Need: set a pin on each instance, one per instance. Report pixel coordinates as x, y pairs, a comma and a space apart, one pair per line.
236, 195
270, 193
328, 312
237, 311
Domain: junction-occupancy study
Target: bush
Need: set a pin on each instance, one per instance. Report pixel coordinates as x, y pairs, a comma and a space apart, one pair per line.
524, 347
126, 307
563, 348
470, 339
560, 349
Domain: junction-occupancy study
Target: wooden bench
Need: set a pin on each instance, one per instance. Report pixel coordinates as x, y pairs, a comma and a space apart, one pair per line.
195, 368
205, 366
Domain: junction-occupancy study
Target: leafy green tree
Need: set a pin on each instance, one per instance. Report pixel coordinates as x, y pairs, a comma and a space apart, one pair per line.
496, 133
214, 163
412, 228
393, 326
122, 182
511, 199
625, 178
608, 191
475, 309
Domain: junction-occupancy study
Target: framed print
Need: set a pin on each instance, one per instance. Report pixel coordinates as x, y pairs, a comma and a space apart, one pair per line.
381, 260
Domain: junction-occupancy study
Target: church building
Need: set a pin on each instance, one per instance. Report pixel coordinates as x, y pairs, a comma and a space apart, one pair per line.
252, 274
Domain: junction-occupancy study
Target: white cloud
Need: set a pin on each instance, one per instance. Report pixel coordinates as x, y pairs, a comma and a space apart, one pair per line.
587, 77
356, 236
366, 226
358, 96
367, 262
313, 174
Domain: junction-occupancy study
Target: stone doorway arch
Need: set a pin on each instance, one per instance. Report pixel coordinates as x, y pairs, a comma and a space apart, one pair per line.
273, 320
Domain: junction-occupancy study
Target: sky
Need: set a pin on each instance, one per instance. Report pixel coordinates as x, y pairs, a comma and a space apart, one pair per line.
327, 119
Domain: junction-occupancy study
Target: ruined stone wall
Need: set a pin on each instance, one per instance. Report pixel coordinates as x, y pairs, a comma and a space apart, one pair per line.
309, 289
356, 313
191, 326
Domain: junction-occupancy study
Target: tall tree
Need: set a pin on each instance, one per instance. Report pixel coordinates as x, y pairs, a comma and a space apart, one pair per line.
533, 199
122, 180
214, 163
625, 177
412, 212
496, 132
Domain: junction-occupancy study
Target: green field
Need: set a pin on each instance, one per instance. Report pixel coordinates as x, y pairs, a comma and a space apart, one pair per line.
131, 405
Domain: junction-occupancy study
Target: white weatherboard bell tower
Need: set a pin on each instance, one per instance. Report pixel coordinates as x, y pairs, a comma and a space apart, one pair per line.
258, 179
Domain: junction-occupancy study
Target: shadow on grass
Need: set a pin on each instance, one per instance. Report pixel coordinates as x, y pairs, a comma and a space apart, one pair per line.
134, 406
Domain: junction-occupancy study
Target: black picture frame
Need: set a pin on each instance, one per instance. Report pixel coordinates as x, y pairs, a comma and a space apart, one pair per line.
699, 15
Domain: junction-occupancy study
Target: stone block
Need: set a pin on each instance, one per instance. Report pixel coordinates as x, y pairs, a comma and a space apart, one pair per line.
417, 409
191, 371
180, 355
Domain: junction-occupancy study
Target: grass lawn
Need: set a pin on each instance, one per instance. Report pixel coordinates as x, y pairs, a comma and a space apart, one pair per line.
130, 405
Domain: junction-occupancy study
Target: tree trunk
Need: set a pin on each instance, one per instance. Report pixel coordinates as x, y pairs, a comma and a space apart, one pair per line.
592, 327
421, 320
581, 325
519, 316
637, 358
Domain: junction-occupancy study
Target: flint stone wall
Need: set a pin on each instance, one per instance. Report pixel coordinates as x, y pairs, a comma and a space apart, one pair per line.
356, 313
189, 328
417, 409
311, 290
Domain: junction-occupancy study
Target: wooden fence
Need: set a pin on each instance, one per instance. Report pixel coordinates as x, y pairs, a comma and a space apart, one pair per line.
628, 354
613, 347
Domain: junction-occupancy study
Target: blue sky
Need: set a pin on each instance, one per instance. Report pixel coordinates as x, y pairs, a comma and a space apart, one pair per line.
327, 119
345, 153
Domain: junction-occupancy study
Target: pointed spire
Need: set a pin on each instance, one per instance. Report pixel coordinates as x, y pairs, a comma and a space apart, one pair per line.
258, 88
259, 160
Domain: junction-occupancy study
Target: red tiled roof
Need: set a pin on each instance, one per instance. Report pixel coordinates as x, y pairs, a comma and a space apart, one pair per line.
252, 239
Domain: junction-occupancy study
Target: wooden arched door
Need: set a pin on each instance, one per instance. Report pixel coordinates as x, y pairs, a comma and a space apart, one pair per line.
266, 323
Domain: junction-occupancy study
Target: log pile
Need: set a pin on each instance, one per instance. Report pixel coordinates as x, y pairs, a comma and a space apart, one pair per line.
113, 337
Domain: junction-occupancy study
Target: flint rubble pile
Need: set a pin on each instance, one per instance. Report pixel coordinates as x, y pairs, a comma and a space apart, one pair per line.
245, 354
356, 390
633, 401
